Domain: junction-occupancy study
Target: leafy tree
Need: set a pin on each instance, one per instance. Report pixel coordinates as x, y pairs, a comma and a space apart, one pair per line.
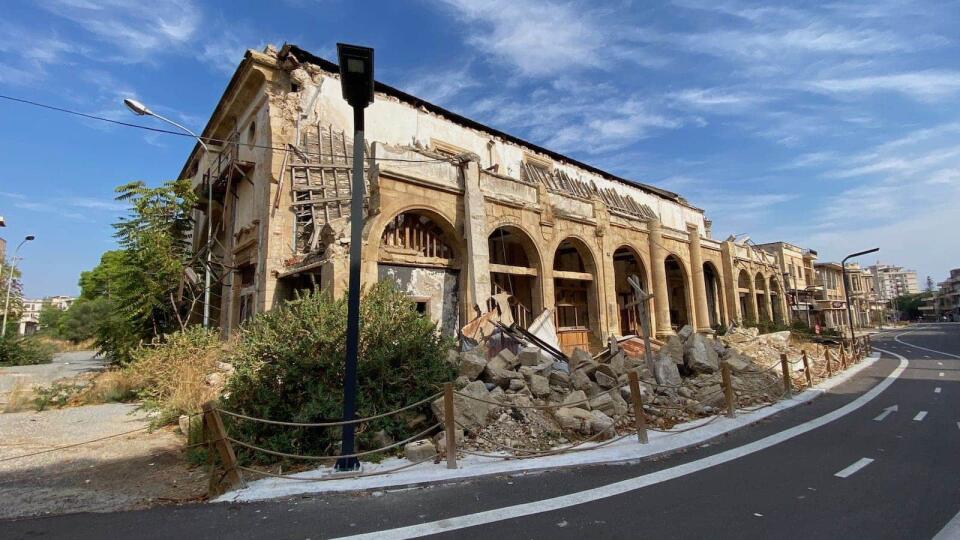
83, 319
929, 284
909, 305
51, 317
144, 280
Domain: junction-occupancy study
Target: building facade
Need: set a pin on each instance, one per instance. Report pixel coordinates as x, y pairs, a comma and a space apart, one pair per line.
799, 278
893, 281
30, 318
455, 212
944, 305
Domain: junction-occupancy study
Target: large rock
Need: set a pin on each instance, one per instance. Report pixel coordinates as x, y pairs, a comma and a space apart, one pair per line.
539, 385
441, 441
499, 370
470, 414
471, 364
419, 450
579, 357
737, 361
559, 378
600, 422
685, 332
580, 380
574, 419
619, 363
699, 355
576, 399
673, 349
605, 377
711, 395
775, 339
665, 370
529, 356
609, 402
741, 334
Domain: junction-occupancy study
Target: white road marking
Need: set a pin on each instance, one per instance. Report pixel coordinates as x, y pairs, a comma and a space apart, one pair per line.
941, 374
936, 390
939, 363
885, 413
926, 356
920, 416
632, 484
897, 339
857, 465
950, 531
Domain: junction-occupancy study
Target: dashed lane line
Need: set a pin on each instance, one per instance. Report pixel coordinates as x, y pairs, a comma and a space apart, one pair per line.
638, 482
897, 339
941, 374
920, 416
856, 466
936, 390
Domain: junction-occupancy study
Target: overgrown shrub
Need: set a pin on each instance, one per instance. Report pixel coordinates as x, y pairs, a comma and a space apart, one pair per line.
290, 365
172, 375
16, 351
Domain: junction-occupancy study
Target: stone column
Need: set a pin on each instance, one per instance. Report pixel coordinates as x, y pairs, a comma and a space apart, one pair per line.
730, 286
768, 300
702, 315
475, 234
661, 304
754, 308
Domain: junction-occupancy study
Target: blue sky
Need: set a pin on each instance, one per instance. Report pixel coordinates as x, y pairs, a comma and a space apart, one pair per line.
834, 127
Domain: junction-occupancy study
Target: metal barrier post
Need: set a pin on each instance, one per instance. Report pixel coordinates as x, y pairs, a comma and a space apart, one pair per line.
806, 369
639, 417
449, 426
217, 434
827, 355
785, 366
728, 389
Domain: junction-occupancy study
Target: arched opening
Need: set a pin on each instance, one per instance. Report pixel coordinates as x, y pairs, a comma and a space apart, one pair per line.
418, 254
677, 292
776, 295
575, 296
760, 285
515, 269
627, 263
743, 291
711, 282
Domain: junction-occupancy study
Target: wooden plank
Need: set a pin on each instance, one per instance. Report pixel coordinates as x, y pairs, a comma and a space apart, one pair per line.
579, 276
514, 270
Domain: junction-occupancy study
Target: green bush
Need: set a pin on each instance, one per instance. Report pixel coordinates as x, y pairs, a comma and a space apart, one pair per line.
290, 365
16, 351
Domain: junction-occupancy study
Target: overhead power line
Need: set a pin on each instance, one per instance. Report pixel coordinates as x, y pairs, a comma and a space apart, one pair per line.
205, 139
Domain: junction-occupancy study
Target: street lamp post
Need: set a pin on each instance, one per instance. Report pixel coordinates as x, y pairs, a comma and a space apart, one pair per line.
13, 270
846, 285
141, 110
356, 80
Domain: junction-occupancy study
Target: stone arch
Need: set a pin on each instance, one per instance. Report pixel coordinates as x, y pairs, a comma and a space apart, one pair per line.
575, 293
678, 292
762, 296
516, 268
417, 249
713, 286
627, 261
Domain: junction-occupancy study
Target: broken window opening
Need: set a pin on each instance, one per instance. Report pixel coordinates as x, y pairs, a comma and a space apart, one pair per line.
626, 263
677, 292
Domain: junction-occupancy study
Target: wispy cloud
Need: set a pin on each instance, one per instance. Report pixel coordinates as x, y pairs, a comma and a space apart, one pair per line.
923, 85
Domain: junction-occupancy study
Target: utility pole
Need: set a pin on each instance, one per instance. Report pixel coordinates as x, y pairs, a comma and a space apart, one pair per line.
356, 80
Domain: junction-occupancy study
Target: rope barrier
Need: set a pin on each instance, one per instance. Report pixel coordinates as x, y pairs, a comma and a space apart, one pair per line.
338, 477
329, 424
318, 458
528, 451
74, 445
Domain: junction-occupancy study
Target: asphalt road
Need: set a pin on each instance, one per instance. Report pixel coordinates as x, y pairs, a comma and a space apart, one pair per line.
853, 477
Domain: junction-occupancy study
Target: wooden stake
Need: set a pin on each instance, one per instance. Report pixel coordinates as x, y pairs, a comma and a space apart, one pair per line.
728, 390
843, 357
826, 353
785, 366
638, 415
449, 426
806, 369
217, 434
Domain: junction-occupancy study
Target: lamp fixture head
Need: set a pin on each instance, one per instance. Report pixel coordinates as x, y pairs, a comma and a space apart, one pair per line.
356, 74
136, 107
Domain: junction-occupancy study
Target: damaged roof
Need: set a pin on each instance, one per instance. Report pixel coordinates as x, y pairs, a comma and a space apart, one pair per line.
326, 65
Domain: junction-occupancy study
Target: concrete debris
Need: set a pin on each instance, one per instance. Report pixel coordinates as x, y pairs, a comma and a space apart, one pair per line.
699, 354
472, 364
470, 414
419, 450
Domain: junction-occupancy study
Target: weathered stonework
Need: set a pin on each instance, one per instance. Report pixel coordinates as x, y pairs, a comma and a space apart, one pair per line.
456, 212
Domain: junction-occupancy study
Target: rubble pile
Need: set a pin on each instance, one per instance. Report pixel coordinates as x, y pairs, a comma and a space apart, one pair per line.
530, 400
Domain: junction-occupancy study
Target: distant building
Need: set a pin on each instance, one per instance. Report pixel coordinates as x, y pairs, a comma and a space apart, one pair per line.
945, 302
893, 281
30, 319
831, 308
799, 277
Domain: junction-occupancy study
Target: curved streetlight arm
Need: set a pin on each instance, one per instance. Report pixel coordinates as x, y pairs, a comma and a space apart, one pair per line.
172, 123
846, 286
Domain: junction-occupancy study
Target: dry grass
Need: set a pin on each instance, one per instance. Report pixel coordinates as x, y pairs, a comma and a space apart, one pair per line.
109, 386
179, 376
19, 399
63, 345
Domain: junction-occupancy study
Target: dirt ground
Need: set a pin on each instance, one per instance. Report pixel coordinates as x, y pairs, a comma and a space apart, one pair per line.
133, 471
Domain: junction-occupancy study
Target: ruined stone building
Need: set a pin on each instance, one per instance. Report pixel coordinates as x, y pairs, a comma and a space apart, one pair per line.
455, 211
